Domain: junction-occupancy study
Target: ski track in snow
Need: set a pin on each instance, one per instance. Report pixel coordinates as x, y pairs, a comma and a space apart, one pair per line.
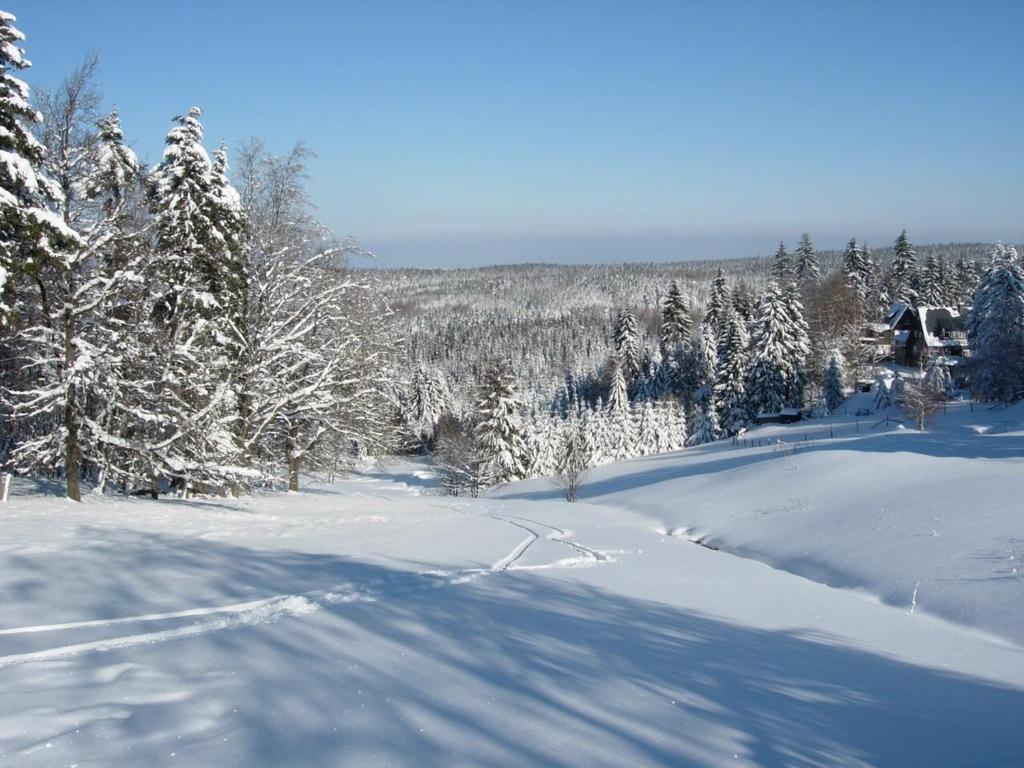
270, 609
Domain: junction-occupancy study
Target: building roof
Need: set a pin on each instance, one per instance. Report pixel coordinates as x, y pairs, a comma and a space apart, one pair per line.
934, 321
896, 312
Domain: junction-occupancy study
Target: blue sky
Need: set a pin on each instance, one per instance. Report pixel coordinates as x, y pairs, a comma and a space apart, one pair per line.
469, 132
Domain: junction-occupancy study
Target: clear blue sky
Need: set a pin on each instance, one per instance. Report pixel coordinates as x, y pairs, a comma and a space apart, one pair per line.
468, 132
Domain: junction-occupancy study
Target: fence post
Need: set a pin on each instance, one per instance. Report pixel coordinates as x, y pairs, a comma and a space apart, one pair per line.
7, 487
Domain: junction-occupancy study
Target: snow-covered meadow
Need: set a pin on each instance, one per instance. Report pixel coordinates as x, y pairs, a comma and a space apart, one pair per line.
373, 622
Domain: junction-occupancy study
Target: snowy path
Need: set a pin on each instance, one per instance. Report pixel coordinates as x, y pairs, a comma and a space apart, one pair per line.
371, 624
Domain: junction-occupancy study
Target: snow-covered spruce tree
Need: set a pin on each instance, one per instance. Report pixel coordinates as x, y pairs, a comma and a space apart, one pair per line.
426, 402
702, 425
996, 329
719, 303
77, 346
675, 320
799, 347
702, 364
731, 400
876, 296
771, 367
30, 233
618, 396
833, 381
782, 266
903, 274
808, 270
595, 445
744, 301
646, 429
121, 256
671, 417
657, 376
78, 334
627, 343
194, 422
498, 431
620, 439
544, 444
937, 283
855, 270
965, 280
230, 222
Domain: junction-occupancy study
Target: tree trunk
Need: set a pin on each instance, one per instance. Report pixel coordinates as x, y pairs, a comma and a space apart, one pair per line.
293, 459
72, 458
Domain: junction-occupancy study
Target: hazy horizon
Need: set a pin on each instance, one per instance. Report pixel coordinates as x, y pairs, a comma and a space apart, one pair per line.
459, 133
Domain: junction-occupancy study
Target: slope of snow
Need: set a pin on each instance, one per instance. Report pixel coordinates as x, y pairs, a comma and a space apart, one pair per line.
374, 623
935, 519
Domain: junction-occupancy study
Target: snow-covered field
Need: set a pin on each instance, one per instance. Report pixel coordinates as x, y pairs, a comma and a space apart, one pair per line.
373, 622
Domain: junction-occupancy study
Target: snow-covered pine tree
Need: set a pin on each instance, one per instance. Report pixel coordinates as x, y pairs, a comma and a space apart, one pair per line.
876, 297
620, 437
744, 301
965, 280
230, 223
833, 381
996, 329
782, 266
702, 424
855, 270
646, 429
195, 424
799, 347
627, 343
427, 401
120, 257
595, 438
702, 363
731, 399
808, 270
675, 320
672, 435
498, 430
76, 338
618, 397
931, 283
547, 445
662, 428
719, 303
31, 234
771, 367
903, 275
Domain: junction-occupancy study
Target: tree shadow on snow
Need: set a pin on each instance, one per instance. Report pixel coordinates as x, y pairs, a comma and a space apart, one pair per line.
510, 669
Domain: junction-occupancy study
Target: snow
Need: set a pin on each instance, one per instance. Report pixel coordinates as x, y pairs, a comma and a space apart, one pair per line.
878, 508
373, 622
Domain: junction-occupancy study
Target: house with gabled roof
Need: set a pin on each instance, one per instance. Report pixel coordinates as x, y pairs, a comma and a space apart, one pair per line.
919, 333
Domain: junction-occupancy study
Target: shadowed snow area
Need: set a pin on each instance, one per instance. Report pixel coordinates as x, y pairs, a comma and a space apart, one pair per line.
374, 623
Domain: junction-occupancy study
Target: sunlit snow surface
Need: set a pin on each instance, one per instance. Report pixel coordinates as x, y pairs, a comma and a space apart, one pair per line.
373, 622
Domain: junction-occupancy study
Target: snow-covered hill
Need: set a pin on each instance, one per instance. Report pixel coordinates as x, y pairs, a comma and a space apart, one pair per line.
373, 622
933, 519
